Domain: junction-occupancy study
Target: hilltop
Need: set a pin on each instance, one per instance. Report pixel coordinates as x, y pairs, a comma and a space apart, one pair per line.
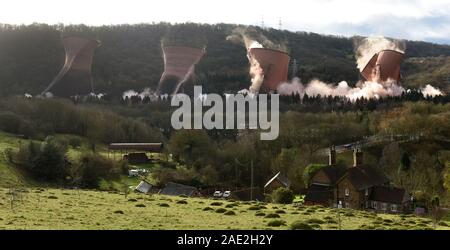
130, 57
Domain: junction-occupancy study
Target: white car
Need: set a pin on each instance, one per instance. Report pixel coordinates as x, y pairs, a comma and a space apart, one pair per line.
226, 194
217, 194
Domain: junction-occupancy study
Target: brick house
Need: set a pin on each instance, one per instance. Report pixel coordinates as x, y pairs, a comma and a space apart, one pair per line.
356, 187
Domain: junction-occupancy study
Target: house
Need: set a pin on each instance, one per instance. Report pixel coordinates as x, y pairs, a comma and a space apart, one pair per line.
389, 200
275, 182
136, 158
356, 187
322, 186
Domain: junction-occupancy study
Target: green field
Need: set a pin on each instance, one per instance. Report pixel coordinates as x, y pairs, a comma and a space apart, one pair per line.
26, 204
36, 208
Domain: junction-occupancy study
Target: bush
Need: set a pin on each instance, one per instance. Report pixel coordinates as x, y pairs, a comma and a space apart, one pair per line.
182, 202
164, 205
229, 213
300, 225
45, 161
216, 203
260, 214
283, 196
442, 223
315, 221
221, 210
276, 223
207, 209
279, 211
272, 216
139, 205
92, 168
254, 207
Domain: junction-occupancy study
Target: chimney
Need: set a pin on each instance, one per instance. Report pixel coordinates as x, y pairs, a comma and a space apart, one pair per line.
357, 157
332, 156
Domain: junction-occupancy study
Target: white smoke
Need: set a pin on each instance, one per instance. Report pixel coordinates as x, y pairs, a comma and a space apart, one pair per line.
129, 93
368, 47
430, 91
98, 96
368, 90
147, 92
294, 87
26, 95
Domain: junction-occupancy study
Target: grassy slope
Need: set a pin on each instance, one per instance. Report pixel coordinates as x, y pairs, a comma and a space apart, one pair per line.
10, 176
38, 208
71, 209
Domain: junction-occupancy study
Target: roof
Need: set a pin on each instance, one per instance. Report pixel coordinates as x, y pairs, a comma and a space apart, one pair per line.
334, 173
281, 178
148, 147
389, 194
173, 188
143, 187
363, 177
319, 193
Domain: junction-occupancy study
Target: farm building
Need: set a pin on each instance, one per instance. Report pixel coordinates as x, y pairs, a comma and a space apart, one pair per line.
173, 188
135, 153
356, 187
143, 187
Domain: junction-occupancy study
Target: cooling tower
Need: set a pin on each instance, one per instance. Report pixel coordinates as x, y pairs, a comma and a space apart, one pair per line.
179, 67
274, 65
75, 76
383, 66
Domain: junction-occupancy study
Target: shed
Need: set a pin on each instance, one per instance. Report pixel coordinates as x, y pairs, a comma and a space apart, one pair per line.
143, 187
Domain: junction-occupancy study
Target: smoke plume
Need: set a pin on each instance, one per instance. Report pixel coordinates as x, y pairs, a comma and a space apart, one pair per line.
430, 91
369, 90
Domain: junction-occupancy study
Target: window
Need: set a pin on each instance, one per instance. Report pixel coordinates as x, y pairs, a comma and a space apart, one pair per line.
347, 192
394, 208
367, 192
374, 204
383, 206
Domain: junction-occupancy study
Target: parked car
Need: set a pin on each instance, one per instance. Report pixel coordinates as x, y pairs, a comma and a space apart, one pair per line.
226, 194
217, 194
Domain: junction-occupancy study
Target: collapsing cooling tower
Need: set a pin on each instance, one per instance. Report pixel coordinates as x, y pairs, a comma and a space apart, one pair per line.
274, 65
179, 67
383, 66
75, 76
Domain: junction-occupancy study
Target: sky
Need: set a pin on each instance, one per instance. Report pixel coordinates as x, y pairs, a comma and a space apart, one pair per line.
427, 20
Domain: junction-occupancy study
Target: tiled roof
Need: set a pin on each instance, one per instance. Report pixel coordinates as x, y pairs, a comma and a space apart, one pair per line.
389, 195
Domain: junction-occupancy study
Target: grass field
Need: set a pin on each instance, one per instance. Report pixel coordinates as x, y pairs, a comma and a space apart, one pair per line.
26, 204
36, 208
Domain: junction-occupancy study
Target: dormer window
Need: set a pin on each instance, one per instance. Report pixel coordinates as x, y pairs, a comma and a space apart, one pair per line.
347, 192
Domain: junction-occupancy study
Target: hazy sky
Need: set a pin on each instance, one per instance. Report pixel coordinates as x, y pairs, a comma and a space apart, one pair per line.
410, 19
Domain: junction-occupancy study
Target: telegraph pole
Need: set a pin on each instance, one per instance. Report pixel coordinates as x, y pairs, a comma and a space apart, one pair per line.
251, 185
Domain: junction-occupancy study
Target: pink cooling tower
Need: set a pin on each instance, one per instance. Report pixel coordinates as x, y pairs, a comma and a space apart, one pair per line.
274, 64
179, 67
383, 66
75, 76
